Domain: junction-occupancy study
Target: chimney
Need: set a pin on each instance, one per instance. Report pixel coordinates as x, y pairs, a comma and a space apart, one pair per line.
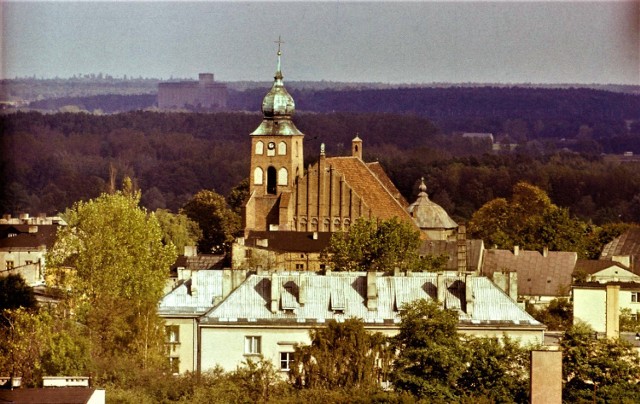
462, 248
275, 293
468, 293
440, 288
613, 311
545, 251
516, 250
302, 289
227, 283
33, 229
372, 292
315, 235
513, 285
24, 216
190, 251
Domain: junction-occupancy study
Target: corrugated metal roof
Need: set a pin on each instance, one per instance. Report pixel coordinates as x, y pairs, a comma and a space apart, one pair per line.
343, 295
194, 296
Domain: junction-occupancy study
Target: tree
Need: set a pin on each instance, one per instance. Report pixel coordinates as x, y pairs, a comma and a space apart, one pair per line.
529, 220
341, 355
120, 268
372, 245
558, 315
238, 196
178, 229
598, 369
431, 359
218, 223
14, 293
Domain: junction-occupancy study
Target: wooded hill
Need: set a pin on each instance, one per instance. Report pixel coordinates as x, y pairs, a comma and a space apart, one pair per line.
50, 161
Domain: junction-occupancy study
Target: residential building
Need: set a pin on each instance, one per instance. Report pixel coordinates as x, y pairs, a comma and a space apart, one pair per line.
625, 249
204, 94
599, 304
603, 271
541, 277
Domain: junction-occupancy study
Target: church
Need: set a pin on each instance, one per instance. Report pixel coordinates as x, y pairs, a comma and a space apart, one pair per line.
292, 210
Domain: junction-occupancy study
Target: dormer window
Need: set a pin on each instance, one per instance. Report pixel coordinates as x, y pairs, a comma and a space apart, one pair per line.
12, 234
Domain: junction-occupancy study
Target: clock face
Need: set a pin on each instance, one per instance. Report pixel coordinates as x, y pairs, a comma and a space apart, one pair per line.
271, 145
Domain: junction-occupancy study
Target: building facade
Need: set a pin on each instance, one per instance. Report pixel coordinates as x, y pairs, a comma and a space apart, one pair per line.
204, 94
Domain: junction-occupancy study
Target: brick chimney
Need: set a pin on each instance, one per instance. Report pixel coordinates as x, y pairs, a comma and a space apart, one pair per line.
372, 292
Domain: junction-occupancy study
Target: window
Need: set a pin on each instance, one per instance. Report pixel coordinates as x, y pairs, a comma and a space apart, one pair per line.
172, 334
286, 360
271, 180
282, 148
28, 262
635, 297
12, 234
271, 149
257, 176
174, 365
247, 253
283, 176
252, 345
9, 265
259, 147
314, 224
299, 266
327, 224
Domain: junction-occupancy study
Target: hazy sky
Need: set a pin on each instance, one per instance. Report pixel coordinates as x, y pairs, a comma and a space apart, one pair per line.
391, 42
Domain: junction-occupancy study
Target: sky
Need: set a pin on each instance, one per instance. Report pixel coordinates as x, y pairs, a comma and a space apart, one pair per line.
390, 42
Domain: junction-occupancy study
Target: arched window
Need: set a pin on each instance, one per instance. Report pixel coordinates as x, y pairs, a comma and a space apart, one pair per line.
283, 177
326, 225
297, 150
259, 147
271, 180
347, 224
314, 224
282, 148
336, 224
303, 224
257, 176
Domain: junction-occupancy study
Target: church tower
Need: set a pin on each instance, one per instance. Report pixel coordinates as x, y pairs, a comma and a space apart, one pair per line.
276, 158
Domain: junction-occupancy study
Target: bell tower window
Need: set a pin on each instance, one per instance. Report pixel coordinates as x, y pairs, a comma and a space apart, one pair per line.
259, 147
257, 176
271, 180
282, 148
283, 177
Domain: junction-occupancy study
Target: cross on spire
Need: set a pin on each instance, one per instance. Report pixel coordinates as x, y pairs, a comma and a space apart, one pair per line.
279, 42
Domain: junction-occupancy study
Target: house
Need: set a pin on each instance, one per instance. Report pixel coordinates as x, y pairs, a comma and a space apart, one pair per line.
599, 304
269, 314
462, 255
541, 277
624, 249
189, 262
182, 307
603, 271
24, 242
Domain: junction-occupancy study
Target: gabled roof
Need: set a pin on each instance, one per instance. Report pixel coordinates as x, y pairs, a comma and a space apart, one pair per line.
290, 241
52, 395
194, 296
309, 297
377, 169
591, 267
199, 262
364, 182
537, 275
450, 248
18, 236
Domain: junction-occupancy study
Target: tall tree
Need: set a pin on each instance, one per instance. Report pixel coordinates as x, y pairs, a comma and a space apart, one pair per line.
372, 245
219, 224
178, 229
341, 355
121, 266
529, 220
14, 293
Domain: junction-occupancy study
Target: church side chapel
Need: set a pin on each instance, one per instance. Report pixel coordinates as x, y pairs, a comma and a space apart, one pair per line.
292, 211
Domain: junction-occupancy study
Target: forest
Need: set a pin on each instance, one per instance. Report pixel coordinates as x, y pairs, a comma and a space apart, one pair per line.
49, 161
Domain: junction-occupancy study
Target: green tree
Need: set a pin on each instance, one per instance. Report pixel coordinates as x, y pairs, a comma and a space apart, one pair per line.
121, 266
529, 220
598, 369
14, 293
341, 355
431, 358
372, 245
628, 321
238, 196
558, 315
178, 229
218, 223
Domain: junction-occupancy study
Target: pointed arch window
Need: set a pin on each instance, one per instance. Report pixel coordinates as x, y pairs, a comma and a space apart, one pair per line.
303, 224
271, 180
347, 224
258, 176
283, 177
314, 224
259, 147
326, 225
282, 148
336, 224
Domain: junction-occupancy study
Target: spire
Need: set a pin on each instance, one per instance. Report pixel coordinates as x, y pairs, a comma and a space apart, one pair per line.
278, 75
422, 188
